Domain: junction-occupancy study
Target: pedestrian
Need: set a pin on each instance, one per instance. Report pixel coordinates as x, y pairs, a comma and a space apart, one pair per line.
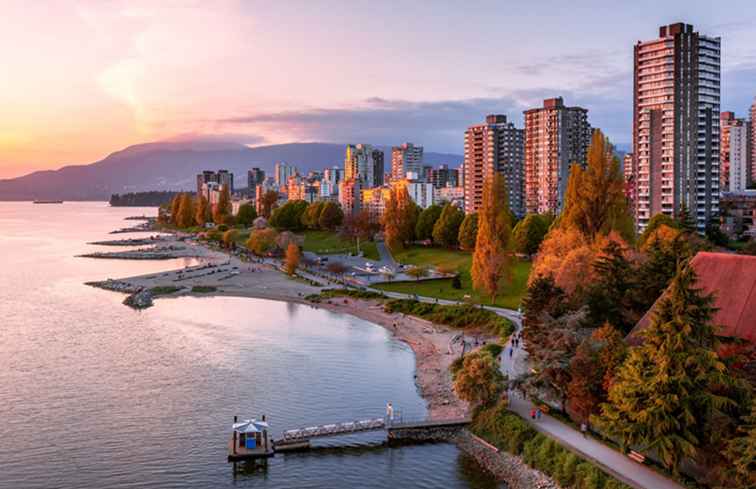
510, 352
389, 411
532, 414
584, 429
538, 413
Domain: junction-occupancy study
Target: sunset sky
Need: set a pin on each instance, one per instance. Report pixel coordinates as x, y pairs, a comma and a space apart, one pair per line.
82, 79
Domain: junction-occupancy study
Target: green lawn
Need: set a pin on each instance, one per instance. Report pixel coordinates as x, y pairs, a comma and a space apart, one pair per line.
461, 261
328, 243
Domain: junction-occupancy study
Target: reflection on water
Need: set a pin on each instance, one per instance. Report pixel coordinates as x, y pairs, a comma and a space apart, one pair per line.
94, 394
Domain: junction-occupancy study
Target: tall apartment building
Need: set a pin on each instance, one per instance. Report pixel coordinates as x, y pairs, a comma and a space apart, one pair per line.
443, 176
628, 169
255, 177
494, 146
365, 163
556, 136
282, 173
350, 196
726, 121
739, 157
221, 178
753, 141
406, 158
676, 124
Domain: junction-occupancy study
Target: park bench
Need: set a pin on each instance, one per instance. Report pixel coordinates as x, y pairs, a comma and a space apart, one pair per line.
638, 457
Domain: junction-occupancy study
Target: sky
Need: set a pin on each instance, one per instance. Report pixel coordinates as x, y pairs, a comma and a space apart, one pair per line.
81, 79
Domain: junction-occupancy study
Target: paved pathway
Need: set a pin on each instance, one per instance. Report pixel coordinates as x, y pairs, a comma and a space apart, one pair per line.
612, 461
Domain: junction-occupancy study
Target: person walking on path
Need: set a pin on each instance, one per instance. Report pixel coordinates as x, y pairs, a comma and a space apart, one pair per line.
584, 429
532, 414
538, 413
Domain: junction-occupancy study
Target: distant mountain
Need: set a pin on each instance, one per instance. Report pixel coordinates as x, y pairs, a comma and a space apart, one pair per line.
173, 166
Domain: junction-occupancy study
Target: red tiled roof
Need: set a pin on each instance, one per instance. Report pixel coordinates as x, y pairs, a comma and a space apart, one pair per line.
732, 280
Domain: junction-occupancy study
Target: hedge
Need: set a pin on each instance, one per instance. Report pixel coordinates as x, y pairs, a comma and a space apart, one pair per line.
457, 316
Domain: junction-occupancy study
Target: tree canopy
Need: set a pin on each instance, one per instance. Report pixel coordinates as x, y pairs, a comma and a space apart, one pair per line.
426, 221
468, 232
446, 229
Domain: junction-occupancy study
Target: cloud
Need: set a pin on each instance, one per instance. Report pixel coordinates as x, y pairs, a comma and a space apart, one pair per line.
439, 125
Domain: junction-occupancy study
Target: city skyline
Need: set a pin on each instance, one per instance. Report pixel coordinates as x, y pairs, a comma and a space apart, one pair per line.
126, 67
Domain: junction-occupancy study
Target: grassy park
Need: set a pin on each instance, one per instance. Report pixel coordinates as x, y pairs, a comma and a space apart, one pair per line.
328, 243
461, 261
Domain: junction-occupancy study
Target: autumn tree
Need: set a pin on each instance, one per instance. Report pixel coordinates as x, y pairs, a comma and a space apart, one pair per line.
399, 218
289, 215
337, 268
446, 229
229, 237
222, 209
202, 214
595, 201
426, 221
268, 202
656, 221
246, 215
262, 241
331, 216
468, 232
292, 258
492, 260
358, 226
175, 204
666, 393
185, 216
480, 380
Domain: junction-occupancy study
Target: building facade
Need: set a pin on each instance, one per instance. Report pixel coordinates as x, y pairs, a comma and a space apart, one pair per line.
374, 202
676, 136
406, 158
282, 173
350, 196
739, 161
255, 177
221, 178
365, 163
556, 136
628, 170
494, 146
726, 121
443, 176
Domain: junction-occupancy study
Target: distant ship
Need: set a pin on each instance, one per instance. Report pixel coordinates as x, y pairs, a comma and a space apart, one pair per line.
48, 201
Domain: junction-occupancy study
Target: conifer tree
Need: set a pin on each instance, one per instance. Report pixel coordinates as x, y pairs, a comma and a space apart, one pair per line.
492, 259
686, 222
664, 394
741, 452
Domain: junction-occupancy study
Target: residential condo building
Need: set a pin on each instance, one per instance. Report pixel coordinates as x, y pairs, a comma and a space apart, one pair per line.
556, 136
443, 176
282, 173
404, 159
676, 124
221, 178
365, 163
739, 157
494, 146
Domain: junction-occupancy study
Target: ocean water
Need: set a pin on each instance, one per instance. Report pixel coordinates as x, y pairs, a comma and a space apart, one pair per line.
95, 394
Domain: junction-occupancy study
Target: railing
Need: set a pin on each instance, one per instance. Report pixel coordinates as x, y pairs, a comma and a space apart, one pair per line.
334, 429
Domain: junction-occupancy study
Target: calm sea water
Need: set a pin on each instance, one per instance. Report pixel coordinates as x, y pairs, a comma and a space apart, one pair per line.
94, 394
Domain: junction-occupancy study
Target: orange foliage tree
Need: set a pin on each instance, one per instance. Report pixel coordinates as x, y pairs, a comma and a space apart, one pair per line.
492, 259
292, 258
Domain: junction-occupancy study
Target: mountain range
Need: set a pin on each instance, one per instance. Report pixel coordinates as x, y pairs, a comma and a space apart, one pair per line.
174, 165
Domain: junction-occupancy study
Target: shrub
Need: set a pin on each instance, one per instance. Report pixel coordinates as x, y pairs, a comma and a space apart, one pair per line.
456, 316
164, 290
203, 289
493, 349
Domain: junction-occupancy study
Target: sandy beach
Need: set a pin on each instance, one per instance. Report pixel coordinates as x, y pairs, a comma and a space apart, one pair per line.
230, 276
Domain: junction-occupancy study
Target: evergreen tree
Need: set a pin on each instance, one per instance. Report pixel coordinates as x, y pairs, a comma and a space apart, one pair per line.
446, 229
608, 299
741, 452
426, 221
685, 220
468, 232
664, 394
492, 259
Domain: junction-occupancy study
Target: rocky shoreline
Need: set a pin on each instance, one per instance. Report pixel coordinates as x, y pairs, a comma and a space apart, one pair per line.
133, 241
153, 253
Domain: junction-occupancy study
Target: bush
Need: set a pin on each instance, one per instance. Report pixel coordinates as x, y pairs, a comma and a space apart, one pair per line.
203, 289
357, 294
456, 282
513, 434
164, 290
222, 228
456, 316
493, 349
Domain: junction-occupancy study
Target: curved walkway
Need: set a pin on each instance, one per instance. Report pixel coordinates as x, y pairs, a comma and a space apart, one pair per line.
612, 461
